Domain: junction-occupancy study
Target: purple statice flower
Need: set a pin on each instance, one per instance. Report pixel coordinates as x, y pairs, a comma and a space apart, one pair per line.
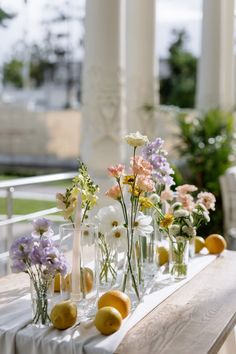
21, 247
156, 155
18, 266
42, 226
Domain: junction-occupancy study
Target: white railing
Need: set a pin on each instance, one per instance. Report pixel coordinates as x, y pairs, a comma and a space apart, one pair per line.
9, 187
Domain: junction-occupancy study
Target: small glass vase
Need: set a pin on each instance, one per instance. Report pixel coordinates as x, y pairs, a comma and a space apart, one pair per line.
41, 292
148, 246
132, 278
192, 247
108, 264
179, 256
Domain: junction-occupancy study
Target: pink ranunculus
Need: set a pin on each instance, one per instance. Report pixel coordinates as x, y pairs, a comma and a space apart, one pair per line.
186, 200
186, 188
207, 199
140, 166
114, 192
167, 195
116, 171
145, 184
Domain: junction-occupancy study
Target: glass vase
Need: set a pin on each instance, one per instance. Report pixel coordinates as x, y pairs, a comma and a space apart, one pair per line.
41, 292
108, 264
192, 247
132, 277
149, 265
81, 282
178, 257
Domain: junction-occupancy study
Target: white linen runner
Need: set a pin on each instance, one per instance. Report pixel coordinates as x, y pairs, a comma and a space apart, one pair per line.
17, 336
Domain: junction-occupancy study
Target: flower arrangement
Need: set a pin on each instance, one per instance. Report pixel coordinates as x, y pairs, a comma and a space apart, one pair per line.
183, 217
82, 183
148, 172
37, 255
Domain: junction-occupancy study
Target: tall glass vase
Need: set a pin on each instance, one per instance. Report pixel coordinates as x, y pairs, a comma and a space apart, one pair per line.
132, 278
179, 256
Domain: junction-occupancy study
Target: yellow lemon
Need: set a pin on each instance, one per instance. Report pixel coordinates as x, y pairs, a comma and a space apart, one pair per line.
64, 314
57, 283
116, 299
108, 320
215, 243
162, 255
86, 281
199, 243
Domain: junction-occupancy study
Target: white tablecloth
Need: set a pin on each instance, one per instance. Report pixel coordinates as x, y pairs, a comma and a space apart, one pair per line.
17, 336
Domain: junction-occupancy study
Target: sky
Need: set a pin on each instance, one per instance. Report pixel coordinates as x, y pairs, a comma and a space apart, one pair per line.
170, 14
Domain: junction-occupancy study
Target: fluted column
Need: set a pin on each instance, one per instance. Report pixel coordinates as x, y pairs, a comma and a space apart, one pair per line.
216, 64
103, 85
141, 65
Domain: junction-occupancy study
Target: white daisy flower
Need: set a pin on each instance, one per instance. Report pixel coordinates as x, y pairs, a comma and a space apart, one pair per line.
87, 235
117, 238
142, 225
109, 217
181, 213
136, 139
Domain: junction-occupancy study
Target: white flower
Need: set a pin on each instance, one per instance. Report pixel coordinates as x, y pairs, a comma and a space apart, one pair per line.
177, 205
109, 217
201, 207
174, 229
136, 139
189, 221
87, 235
181, 213
117, 238
154, 198
142, 225
206, 216
189, 230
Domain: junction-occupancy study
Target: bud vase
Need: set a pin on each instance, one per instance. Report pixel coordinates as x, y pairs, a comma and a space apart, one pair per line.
132, 278
41, 291
108, 264
179, 256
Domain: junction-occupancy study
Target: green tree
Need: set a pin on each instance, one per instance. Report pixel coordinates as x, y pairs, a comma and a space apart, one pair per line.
12, 73
4, 16
179, 88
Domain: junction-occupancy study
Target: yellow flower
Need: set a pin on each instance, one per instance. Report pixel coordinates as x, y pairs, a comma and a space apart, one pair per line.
167, 221
145, 203
128, 180
136, 192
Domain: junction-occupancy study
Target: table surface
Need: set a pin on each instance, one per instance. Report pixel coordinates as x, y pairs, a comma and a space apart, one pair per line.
198, 317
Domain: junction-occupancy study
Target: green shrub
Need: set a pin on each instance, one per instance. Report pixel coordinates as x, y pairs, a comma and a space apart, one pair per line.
207, 145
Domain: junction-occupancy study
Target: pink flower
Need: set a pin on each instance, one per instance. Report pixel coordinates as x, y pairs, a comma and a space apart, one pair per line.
167, 194
140, 166
114, 192
186, 188
145, 184
186, 200
207, 199
116, 171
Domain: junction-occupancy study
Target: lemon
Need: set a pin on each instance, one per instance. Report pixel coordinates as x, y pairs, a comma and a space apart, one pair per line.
108, 320
86, 281
116, 299
57, 283
64, 314
162, 255
215, 243
199, 243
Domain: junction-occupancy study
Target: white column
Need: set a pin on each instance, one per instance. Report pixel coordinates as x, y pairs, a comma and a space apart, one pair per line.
216, 64
141, 65
103, 115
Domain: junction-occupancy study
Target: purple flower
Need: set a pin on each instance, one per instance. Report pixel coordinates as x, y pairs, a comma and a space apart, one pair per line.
162, 171
21, 248
18, 266
42, 226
